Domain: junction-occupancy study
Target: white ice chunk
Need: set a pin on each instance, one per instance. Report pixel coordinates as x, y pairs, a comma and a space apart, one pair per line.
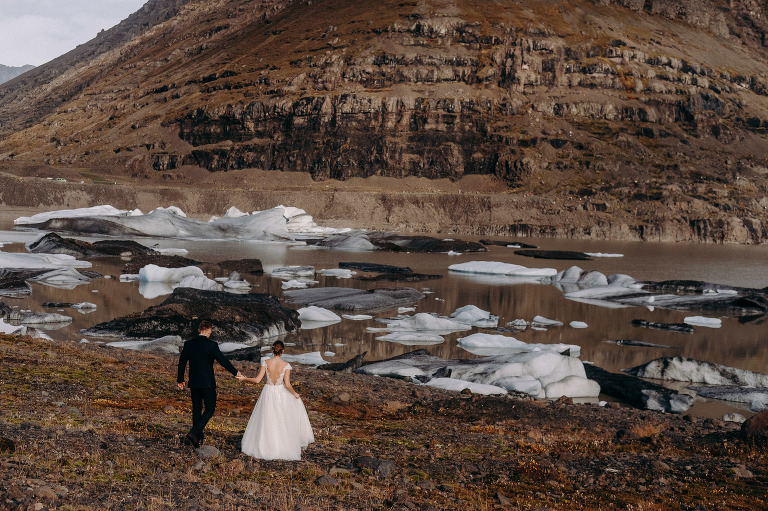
475, 316
601, 254
297, 284
357, 317
499, 268
690, 370
572, 386
339, 273
227, 347
35, 261
703, 321
542, 321
166, 344
494, 344
199, 282
578, 324
459, 385
421, 322
413, 338
293, 272
403, 310
154, 273
314, 313
314, 358
74, 213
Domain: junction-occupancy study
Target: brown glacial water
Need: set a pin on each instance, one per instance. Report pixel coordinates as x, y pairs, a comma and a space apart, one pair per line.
736, 344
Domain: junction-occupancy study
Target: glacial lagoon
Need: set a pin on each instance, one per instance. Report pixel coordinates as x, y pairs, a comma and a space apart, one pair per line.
594, 327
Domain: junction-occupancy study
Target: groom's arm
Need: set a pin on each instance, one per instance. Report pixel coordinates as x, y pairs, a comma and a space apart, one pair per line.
225, 363
183, 358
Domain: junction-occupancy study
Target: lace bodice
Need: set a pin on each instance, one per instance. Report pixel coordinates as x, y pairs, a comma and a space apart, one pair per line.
279, 378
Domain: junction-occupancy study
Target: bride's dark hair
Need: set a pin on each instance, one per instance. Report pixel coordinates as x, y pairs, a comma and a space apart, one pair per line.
277, 348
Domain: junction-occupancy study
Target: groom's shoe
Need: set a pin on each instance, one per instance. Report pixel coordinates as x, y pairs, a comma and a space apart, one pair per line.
193, 439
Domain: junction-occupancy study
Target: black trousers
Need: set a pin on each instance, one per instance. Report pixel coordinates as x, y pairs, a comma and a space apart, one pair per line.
203, 406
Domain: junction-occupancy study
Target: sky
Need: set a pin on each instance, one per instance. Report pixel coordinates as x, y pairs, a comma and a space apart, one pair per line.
36, 31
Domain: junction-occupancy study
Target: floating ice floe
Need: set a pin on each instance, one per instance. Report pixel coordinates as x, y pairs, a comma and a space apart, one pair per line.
171, 251
493, 344
357, 317
165, 344
546, 322
578, 324
313, 313
501, 269
459, 385
541, 374
703, 321
339, 273
293, 272
404, 310
475, 316
279, 223
41, 320
695, 371
21, 331
757, 397
40, 261
313, 359
351, 299
62, 278
297, 284
75, 213
601, 254
413, 338
421, 322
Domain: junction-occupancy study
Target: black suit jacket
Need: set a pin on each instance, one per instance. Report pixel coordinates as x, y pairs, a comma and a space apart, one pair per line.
200, 352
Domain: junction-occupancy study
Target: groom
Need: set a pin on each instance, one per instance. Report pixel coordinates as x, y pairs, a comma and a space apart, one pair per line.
200, 352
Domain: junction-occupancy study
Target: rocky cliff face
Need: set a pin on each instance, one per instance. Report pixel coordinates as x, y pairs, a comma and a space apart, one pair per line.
643, 113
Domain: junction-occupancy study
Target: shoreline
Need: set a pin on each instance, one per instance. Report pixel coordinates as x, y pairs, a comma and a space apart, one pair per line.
85, 424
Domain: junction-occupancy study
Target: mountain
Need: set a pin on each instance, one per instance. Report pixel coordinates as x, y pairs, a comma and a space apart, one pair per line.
10, 72
631, 119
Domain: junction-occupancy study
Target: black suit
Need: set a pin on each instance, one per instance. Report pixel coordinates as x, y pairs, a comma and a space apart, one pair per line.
200, 352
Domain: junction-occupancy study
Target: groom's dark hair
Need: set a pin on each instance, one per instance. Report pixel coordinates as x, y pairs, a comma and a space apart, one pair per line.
204, 325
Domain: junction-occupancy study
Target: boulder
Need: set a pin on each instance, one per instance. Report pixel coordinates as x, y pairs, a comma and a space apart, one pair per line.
756, 427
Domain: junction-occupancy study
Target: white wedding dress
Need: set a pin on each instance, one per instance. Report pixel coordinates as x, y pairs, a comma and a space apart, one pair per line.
279, 427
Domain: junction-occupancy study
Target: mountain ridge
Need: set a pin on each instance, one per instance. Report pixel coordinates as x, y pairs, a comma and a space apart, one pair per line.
643, 114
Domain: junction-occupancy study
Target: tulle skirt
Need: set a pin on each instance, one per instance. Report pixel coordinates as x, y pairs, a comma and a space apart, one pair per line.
279, 427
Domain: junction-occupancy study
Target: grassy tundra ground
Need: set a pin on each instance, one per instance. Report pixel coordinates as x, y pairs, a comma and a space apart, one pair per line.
89, 427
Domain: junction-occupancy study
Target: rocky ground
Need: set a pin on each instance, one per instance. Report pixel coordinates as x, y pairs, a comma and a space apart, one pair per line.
84, 426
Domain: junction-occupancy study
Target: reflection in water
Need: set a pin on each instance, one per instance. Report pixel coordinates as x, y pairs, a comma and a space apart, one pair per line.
734, 344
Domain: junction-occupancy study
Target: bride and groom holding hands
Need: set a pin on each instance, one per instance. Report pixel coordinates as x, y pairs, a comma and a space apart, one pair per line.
279, 427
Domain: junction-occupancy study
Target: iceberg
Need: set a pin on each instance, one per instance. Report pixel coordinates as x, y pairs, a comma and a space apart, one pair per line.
475, 316
690, 370
276, 224
541, 374
314, 313
154, 273
313, 359
494, 344
499, 268
40, 261
421, 322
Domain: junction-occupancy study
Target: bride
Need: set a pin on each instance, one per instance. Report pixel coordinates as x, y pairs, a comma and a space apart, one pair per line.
279, 427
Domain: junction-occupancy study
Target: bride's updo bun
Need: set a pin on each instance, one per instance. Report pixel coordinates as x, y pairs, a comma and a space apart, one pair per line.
277, 348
